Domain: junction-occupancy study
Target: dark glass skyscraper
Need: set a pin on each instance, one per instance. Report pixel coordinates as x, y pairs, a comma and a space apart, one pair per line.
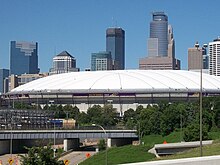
3, 74
115, 43
23, 58
158, 41
161, 45
101, 61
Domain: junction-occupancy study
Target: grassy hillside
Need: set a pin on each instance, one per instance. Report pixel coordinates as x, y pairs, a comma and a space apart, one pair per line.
129, 153
118, 155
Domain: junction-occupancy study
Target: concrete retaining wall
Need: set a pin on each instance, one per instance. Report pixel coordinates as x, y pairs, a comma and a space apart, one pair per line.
119, 141
4, 147
71, 144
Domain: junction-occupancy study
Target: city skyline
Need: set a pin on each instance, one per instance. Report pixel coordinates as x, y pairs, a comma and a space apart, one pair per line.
79, 27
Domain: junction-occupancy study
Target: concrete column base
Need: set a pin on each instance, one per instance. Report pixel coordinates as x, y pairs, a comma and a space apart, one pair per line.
118, 142
70, 144
4, 147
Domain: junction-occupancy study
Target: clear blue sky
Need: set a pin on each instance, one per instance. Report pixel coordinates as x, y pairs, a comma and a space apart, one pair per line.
78, 26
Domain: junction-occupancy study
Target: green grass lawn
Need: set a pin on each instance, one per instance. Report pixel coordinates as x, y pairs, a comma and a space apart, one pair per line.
131, 154
117, 155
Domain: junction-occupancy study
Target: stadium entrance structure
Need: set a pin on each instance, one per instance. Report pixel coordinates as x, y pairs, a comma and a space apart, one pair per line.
123, 89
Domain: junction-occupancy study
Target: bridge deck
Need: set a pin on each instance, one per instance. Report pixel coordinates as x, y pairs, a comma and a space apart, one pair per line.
65, 134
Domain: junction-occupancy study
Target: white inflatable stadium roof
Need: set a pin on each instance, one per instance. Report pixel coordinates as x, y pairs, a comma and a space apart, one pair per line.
123, 81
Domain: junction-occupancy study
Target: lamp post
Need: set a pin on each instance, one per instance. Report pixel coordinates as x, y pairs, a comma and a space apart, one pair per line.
200, 96
54, 140
139, 125
11, 142
106, 137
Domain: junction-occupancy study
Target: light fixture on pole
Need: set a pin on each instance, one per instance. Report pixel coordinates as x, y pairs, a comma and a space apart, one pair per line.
200, 95
139, 125
54, 141
106, 137
11, 142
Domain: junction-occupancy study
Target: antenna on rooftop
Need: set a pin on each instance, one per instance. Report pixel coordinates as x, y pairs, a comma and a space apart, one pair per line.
114, 22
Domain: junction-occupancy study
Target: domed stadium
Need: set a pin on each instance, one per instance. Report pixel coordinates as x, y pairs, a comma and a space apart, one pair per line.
122, 88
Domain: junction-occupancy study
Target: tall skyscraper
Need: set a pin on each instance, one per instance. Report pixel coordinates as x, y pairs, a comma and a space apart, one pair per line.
195, 56
3, 74
161, 45
63, 63
115, 43
23, 58
158, 41
214, 57
101, 61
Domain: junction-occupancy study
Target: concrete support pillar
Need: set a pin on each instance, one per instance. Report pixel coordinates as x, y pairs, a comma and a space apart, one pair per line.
118, 141
70, 144
4, 147
109, 142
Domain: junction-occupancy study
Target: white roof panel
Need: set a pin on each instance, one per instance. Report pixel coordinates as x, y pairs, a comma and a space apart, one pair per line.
122, 80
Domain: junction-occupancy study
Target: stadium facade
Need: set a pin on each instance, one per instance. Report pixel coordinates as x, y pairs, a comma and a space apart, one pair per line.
123, 89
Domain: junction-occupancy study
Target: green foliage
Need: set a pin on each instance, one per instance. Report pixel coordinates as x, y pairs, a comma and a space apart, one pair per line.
105, 116
170, 119
129, 114
119, 155
40, 156
102, 144
109, 116
130, 124
192, 132
94, 113
150, 120
130, 153
21, 105
83, 118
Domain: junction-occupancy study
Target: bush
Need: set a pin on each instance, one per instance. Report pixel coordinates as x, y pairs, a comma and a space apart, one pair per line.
192, 133
102, 145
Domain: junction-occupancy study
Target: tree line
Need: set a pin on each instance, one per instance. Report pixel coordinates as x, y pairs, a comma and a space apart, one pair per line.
162, 118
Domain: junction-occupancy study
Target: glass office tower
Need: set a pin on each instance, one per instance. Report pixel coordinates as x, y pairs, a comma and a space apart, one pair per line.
158, 41
214, 57
101, 61
115, 43
3, 74
23, 58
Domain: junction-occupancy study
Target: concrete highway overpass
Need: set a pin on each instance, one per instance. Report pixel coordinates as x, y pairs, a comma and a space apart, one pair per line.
70, 138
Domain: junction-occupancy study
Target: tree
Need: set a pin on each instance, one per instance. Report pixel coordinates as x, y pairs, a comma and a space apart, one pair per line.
109, 116
149, 120
170, 119
192, 132
83, 118
95, 114
130, 124
129, 114
40, 155
102, 144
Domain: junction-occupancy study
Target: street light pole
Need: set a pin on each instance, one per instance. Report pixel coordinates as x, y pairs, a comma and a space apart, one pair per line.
106, 137
54, 142
200, 98
11, 142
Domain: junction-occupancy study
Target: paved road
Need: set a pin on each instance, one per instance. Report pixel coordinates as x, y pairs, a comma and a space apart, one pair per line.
77, 156
74, 157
